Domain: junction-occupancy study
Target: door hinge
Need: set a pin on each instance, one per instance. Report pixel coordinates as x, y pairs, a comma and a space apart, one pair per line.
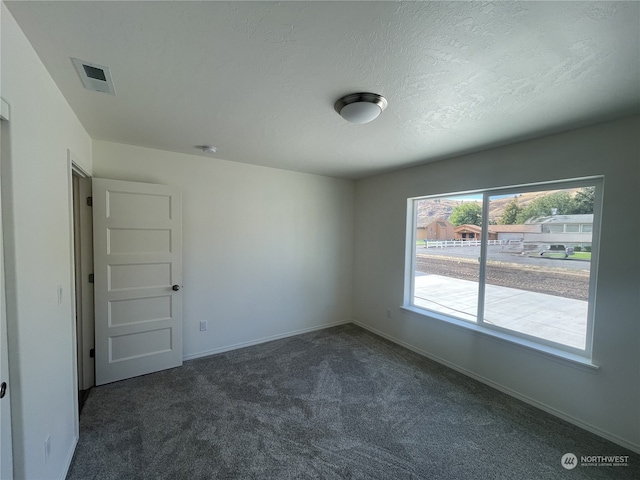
91, 278
92, 353
90, 201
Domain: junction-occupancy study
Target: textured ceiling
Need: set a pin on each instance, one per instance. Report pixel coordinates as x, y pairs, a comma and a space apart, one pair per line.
259, 79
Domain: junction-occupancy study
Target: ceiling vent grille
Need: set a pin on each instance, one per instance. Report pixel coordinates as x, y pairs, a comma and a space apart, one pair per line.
94, 77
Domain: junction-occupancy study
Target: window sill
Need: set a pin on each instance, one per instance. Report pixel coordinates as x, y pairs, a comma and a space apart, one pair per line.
569, 358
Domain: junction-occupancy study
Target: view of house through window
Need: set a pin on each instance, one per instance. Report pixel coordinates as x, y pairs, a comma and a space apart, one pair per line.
531, 275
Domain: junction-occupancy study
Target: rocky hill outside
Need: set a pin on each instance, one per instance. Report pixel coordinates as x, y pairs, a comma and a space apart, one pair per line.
432, 209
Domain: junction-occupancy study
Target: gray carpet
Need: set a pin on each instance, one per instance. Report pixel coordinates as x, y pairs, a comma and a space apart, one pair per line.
340, 403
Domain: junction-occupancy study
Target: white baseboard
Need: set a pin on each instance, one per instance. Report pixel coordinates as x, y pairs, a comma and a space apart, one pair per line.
67, 463
258, 341
557, 413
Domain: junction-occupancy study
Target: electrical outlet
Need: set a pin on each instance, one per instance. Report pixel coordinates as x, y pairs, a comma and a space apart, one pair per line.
47, 448
388, 313
203, 326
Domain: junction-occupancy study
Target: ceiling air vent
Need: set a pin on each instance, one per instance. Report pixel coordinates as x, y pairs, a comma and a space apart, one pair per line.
94, 77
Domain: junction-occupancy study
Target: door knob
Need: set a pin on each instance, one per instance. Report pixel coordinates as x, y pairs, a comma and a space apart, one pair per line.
175, 288
3, 389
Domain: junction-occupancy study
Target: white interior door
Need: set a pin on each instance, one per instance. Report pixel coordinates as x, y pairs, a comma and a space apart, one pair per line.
137, 237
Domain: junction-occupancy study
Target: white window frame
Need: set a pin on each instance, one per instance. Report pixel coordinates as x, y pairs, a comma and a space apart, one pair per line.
572, 353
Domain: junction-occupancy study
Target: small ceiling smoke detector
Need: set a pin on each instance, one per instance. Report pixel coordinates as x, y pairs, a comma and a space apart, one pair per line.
94, 77
361, 107
207, 148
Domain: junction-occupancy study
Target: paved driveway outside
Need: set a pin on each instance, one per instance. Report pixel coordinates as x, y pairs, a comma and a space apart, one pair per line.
501, 253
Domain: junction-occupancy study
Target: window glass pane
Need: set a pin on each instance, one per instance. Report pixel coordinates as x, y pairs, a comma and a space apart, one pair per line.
552, 228
446, 268
587, 228
539, 285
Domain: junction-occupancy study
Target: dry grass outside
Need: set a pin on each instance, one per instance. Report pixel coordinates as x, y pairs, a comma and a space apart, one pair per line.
551, 281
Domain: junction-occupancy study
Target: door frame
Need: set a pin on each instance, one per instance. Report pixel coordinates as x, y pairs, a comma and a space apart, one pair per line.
6, 455
82, 229
86, 265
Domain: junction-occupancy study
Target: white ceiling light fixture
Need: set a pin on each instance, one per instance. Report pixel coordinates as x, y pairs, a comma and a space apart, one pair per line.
207, 149
361, 107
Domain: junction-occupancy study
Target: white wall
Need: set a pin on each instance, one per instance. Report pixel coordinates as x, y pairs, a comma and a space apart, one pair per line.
606, 401
36, 223
269, 252
266, 252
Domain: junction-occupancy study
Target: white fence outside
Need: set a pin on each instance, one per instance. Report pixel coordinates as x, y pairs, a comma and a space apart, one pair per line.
464, 243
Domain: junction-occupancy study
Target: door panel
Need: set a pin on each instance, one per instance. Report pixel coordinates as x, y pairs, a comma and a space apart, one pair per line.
138, 276
138, 310
138, 258
139, 241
